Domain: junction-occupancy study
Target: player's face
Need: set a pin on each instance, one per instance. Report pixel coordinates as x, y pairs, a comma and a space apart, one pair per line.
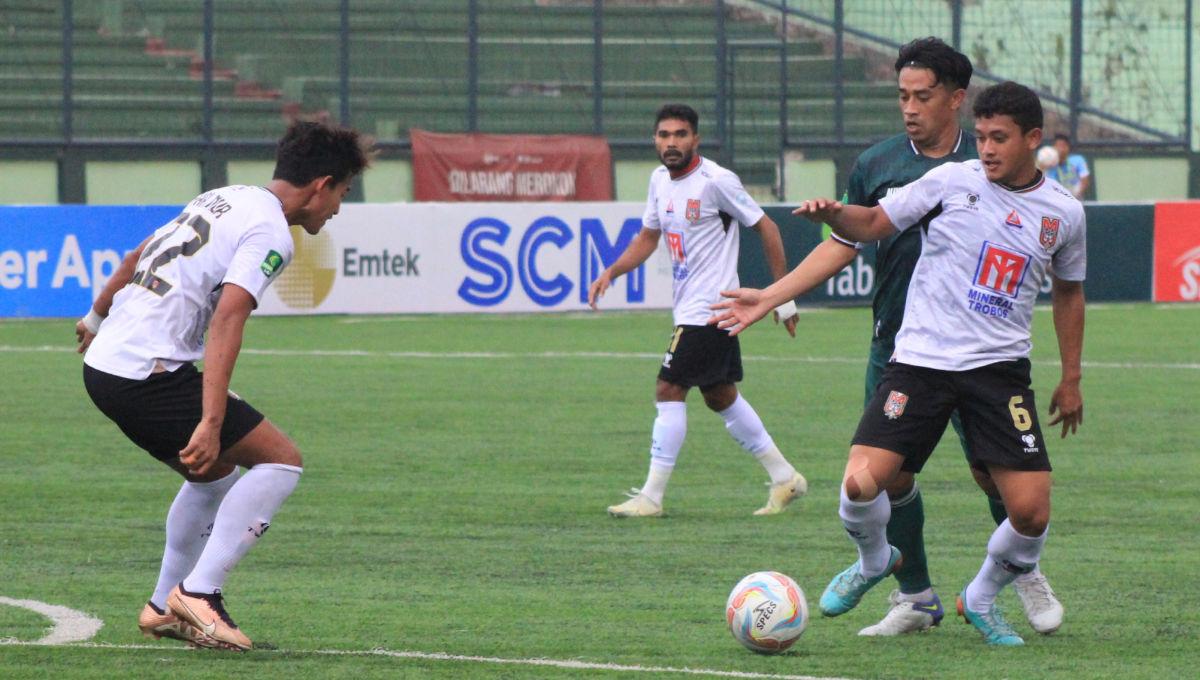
324, 204
675, 143
928, 107
1008, 155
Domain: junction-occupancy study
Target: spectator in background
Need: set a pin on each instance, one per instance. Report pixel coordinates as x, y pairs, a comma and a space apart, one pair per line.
1072, 169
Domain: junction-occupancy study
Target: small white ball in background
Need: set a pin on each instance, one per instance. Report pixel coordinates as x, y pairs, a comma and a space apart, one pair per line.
1047, 157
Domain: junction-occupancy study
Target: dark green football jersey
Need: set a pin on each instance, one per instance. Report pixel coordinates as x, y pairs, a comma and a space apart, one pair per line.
887, 166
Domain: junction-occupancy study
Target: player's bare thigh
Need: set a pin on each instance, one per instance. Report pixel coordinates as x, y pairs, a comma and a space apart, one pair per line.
264, 444
1026, 495
666, 391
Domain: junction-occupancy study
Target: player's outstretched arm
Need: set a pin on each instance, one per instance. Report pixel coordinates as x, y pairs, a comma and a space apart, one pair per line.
220, 354
772, 244
87, 327
1066, 406
744, 306
851, 222
639, 250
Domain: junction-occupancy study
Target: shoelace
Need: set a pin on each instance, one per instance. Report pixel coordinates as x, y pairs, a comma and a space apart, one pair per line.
1000, 625
1039, 589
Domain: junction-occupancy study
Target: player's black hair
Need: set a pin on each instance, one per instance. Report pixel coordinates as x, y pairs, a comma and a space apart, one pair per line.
949, 66
1063, 136
309, 150
678, 112
1011, 99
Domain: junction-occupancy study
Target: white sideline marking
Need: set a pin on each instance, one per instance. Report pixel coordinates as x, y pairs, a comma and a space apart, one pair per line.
69, 625
354, 353
570, 664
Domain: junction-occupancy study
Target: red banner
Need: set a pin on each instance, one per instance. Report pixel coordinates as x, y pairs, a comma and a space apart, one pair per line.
1177, 252
482, 167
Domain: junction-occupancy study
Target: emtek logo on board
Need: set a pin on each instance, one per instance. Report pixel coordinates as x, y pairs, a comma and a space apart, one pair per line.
543, 266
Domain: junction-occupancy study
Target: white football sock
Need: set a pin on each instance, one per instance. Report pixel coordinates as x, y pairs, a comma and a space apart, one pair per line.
244, 516
1009, 555
746, 428
866, 524
670, 428
189, 522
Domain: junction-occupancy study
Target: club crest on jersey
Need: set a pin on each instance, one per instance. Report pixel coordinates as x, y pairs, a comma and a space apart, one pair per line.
693, 210
1013, 219
271, 264
894, 407
1049, 235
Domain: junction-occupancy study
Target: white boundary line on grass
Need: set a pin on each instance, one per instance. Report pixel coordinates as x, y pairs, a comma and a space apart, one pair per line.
569, 664
356, 353
70, 625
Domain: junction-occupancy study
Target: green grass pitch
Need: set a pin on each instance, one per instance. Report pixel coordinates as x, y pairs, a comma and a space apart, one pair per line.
456, 474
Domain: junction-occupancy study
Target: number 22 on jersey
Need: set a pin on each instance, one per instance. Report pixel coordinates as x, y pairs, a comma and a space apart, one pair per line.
151, 260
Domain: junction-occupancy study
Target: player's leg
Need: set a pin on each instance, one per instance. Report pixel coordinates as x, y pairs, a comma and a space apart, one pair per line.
666, 439
908, 414
914, 606
1042, 607
999, 418
743, 423
273, 470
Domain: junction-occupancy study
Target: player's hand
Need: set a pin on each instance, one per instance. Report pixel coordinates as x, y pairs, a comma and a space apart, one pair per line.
83, 336
1066, 406
739, 309
202, 449
598, 288
819, 209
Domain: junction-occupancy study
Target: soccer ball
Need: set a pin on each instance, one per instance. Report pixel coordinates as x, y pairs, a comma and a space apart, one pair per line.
766, 612
1047, 157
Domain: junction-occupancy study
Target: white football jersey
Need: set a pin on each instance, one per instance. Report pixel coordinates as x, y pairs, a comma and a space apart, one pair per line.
699, 214
236, 234
983, 260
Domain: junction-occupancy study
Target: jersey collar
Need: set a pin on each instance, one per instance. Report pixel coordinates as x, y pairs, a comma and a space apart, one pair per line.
957, 145
696, 162
1038, 180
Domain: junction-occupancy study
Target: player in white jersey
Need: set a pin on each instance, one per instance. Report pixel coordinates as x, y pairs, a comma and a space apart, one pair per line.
1000, 229
700, 207
206, 270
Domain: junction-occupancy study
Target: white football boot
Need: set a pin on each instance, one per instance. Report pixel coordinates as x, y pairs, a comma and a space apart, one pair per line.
1042, 608
638, 505
907, 617
783, 493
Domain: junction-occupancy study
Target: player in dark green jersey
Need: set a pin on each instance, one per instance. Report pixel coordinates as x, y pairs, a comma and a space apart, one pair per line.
932, 82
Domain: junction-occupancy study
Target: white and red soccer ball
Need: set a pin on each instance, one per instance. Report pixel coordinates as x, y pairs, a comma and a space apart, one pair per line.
766, 612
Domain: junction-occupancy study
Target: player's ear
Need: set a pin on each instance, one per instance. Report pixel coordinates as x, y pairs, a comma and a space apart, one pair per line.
1033, 138
957, 98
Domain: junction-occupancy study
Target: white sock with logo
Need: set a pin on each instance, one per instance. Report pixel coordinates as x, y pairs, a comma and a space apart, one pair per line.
866, 524
1009, 555
189, 522
244, 516
670, 428
746, 428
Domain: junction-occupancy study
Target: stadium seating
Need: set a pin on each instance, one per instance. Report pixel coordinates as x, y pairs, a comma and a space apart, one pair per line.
137, 71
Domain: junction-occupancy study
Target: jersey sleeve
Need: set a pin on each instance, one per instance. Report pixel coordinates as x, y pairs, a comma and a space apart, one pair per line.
650, 216
731, 198
1070, 261
908, 204
262, 254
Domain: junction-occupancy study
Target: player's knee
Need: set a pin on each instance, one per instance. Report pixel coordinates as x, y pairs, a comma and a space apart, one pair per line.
719, 400
665, 391
1029, 521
